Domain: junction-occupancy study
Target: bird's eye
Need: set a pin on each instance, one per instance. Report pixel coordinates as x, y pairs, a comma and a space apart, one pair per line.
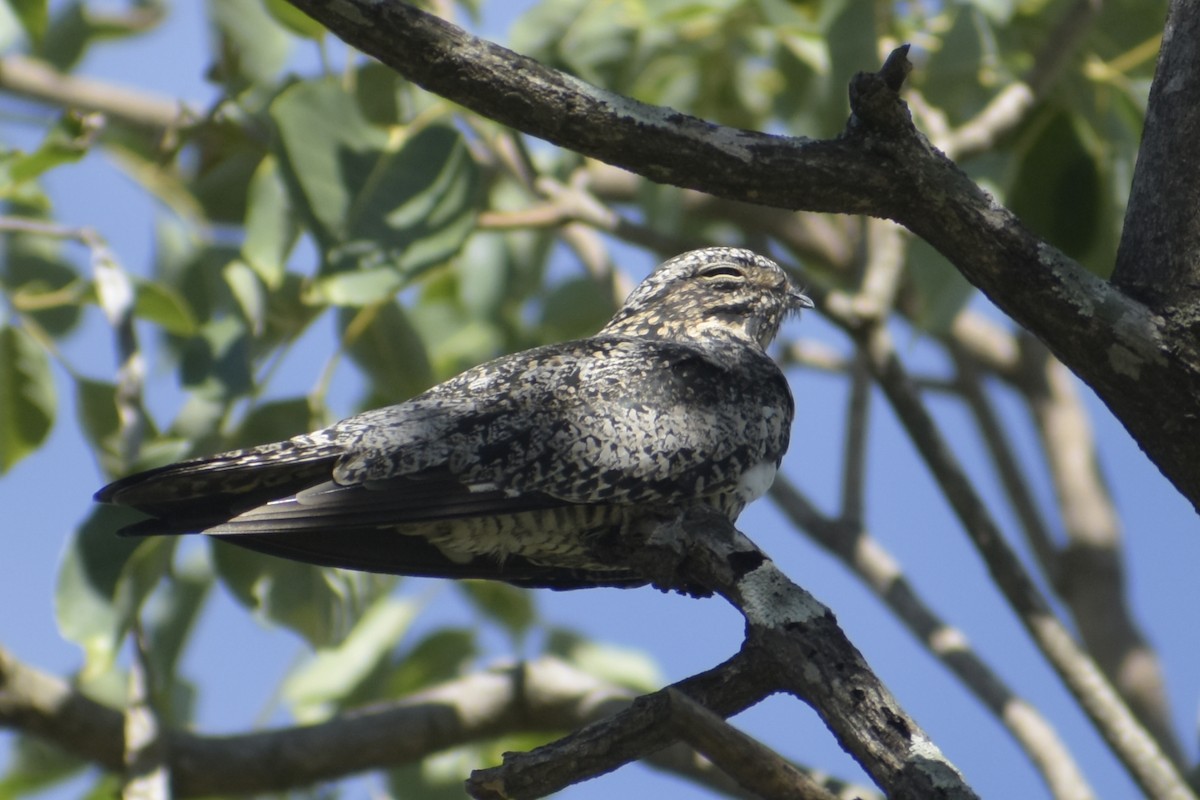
721, 271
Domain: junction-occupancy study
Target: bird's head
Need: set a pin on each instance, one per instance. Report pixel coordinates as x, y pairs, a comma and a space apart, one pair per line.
714, 293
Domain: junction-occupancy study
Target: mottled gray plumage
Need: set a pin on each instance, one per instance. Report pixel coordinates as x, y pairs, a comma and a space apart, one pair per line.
526, 468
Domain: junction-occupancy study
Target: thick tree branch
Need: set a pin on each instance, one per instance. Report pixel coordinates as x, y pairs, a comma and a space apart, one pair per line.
881, 167
1158, 260
793, 645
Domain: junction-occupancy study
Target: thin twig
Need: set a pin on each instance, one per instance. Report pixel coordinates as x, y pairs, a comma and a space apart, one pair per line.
147, 762
1012, 477
854, 458
1090, 574
39, 81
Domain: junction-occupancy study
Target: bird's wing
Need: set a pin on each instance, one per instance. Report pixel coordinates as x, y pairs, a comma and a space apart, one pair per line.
625, 421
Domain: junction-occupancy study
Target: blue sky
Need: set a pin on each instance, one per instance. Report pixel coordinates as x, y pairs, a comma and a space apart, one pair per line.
239, 662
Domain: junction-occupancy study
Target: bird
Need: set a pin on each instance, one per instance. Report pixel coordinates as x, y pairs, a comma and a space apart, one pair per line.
529, 468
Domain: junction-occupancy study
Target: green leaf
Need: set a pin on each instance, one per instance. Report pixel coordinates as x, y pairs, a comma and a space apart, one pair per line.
253, 47
373, 203
355, 287
248, 291
217, 362
329, 150
270, 230
485, 274
159, 303
27, 401
294, 19
609, 662
513, 608
102, 581
334, 672
275, 421
436, 658
388, 349
96, 409
65, 143
319, 604
42, 283
379, 91
33, 16
35, 765
1057, 190
172, 613
75, 27
575, 308
952, 78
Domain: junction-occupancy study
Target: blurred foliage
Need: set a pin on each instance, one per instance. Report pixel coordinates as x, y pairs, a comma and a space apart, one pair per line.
344, 195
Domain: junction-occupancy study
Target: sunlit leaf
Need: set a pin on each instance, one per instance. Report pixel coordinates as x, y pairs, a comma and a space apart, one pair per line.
33, 17
162, 305
334, 672
355, 287
65, 143
249, 292
371, 202
294, 20
330, 150
27, 400
254, 46
270, 230
609, 662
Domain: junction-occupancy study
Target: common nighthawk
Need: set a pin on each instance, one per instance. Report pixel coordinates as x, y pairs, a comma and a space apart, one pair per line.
527, 468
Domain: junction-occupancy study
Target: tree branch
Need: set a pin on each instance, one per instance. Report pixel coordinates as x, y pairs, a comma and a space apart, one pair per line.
859, 551
1140, 753
1089, 573
1158, 260
543, 695
39, 81
793, 644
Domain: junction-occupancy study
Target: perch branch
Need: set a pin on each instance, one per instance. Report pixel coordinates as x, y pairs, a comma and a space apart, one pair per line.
865, 556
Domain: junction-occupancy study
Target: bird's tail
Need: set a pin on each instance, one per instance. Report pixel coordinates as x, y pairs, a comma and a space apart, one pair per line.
210, 489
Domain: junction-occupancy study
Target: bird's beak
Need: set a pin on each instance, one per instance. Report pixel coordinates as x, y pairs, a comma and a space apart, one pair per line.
799, 299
